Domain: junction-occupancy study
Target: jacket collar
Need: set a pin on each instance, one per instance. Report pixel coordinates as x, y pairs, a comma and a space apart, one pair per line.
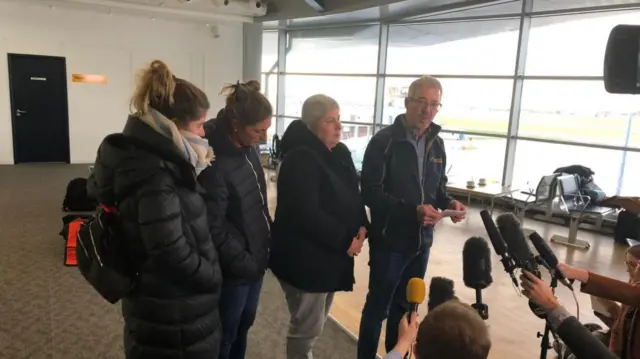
399, 131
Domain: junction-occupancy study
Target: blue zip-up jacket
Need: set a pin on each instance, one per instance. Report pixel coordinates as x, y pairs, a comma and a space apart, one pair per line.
392, 187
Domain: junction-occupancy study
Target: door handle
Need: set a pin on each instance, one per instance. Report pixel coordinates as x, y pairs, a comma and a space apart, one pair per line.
20, 112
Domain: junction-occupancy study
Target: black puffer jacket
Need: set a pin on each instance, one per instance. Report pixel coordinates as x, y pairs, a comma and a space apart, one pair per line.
173, 311
238, 213
319, 213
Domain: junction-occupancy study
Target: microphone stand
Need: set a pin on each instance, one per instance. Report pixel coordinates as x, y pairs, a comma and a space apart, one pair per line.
480, 307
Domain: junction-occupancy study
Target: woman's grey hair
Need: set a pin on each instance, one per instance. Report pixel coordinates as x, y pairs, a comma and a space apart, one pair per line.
315, 108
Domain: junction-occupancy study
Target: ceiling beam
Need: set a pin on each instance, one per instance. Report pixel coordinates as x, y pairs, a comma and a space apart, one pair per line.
160, 10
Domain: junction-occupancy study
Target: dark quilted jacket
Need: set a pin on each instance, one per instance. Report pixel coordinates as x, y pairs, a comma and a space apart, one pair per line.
173, 311
237, 206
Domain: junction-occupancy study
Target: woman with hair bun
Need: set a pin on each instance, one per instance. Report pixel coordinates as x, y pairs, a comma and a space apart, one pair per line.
149, 173
237, 207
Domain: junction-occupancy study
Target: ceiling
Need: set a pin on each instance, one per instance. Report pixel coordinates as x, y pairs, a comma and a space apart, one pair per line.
186, 10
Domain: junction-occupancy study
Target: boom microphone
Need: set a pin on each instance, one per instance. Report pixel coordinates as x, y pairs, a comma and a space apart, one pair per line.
499, 246
547, 255
416, 291
440, 291
476, 268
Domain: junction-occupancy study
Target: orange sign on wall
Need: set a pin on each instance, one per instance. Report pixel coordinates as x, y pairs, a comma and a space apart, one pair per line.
90, 79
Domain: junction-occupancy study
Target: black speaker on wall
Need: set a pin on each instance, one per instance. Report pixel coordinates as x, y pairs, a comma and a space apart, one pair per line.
317, 5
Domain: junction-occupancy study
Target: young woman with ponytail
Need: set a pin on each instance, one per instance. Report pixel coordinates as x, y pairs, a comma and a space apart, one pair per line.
148, 172
237, 207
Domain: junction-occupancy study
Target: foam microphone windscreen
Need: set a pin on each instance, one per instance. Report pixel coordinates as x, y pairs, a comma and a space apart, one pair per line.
494, 235
441, 290
476, 263
509, 227
416, 291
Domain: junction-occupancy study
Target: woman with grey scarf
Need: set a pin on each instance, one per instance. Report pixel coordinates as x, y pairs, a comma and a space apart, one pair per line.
148, 172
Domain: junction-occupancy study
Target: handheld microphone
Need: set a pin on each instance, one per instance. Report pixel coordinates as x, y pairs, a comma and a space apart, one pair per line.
547, 255
416, 291
476, 268
509, 227
499, 245
440, 291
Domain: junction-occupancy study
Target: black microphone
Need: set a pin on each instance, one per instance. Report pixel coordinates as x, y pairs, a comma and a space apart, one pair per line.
509, 227
476, 269
499, 246
547, 255
440, 291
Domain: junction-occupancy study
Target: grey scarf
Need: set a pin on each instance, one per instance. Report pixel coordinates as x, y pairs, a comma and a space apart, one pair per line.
195, 149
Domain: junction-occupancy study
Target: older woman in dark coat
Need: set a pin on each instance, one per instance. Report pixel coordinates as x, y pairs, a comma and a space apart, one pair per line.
320, 222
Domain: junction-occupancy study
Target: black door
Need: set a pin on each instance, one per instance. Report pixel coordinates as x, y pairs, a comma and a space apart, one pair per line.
39, 113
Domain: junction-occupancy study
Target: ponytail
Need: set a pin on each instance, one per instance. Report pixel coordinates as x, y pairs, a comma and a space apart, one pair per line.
175, 98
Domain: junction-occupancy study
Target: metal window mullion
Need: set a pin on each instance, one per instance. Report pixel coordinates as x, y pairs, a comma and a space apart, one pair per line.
516, 95
282, 68
378, 106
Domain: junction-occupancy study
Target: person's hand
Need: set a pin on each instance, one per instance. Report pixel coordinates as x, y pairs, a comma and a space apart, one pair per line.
407, 333
428, 215
574, 273
458, 206
362, 234
538, 291
355, 248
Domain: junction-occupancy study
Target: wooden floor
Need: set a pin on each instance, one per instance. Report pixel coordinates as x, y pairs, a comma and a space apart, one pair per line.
513, 327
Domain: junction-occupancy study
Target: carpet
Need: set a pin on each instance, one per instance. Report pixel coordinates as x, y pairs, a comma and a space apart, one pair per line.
48, 311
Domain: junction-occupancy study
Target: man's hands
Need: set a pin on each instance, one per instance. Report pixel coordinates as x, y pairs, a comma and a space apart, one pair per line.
428, 215
357, 243
574, 273
458, 206
538, 291
407, 333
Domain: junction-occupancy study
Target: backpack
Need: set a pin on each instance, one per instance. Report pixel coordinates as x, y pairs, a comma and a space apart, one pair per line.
102, 255
76, 197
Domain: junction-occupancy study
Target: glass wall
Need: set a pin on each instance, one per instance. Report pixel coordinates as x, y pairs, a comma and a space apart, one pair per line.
565, 115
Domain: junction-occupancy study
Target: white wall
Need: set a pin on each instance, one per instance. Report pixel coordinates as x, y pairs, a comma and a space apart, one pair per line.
115, 46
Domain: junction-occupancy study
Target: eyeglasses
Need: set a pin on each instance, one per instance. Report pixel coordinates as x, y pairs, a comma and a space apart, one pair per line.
424, 103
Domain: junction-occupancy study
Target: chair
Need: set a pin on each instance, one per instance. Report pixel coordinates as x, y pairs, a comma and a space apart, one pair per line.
572, 201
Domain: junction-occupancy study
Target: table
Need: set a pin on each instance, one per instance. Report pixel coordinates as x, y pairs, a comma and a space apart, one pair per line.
491, 191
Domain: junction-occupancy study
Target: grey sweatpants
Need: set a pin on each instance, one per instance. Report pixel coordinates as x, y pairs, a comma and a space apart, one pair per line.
309, 311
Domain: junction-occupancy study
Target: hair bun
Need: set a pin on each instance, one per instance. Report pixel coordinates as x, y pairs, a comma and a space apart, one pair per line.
253, 85
240, 92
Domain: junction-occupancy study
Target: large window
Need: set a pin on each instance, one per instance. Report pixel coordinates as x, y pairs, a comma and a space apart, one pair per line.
471, 48
563, 105
474, 157
355, 95
572, 45
536, 159
631, 178
573, 110
336, 50
476, 105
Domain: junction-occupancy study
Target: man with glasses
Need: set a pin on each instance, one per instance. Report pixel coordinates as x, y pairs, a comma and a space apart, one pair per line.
403, 184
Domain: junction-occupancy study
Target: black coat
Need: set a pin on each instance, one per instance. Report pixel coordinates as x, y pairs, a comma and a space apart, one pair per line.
392, 187
237, 206
173, 310
319, 213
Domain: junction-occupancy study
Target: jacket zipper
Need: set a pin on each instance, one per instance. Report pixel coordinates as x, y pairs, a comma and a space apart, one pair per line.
260, 191
424, 163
